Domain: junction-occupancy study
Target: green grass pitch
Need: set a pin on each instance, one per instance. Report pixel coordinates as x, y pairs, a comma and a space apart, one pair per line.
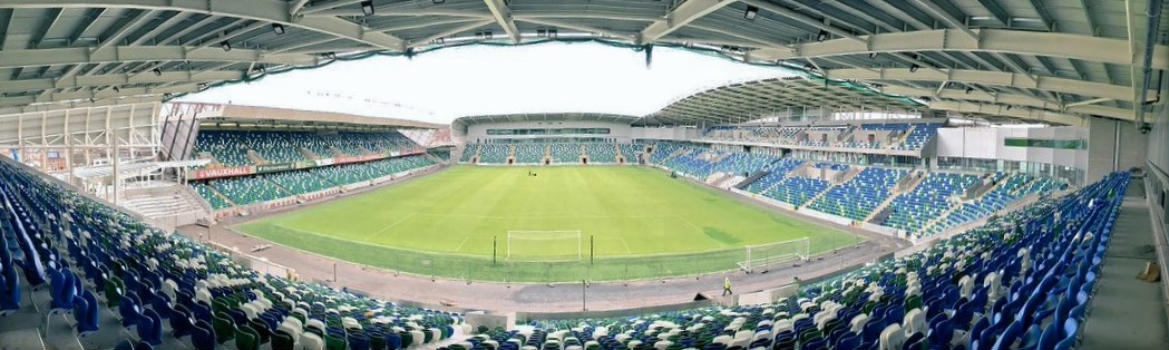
451, 224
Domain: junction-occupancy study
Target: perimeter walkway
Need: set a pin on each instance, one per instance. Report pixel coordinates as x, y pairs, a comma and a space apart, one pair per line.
1126, 312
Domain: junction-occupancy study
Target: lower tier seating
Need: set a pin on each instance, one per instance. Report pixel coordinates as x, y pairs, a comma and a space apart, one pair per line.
601, 152
1023, 281
266, 187
932, 197
529, 153
97, 277
857, 198
797, 190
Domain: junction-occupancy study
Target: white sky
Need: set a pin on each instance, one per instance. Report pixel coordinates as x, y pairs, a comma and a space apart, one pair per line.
446, 84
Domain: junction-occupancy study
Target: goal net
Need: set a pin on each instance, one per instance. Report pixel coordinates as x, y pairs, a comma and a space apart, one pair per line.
764, 255
544, 246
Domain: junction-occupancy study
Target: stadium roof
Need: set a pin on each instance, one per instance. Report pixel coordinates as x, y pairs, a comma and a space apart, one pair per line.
460, 125
1051, 56
751, 100
272, 116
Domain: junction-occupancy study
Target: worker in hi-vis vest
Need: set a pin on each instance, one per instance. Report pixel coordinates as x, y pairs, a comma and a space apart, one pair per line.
727, 285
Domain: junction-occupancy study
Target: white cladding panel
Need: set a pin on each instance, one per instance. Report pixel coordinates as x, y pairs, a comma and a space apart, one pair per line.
680, 133
951, 142
620, 131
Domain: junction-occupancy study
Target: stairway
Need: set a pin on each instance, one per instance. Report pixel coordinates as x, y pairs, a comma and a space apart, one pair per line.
852, 172
881, 208
940, 217
893, 194
676, 153
953, 208
620, 156
846, 134
910, 182
280, 187
307, 154
256, 158
901, 139
818, 195
433, 158
167, 205
751, 179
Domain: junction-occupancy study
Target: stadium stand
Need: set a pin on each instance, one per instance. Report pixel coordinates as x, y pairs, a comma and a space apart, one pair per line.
629, 152
443, 155
1008, 189
247, 189
662, 151
493, 153
904, 136
529, 153
208, 194
299, 182
468, 153
776, 174
601, 152
919, 136
565, 153
1023, 281
98, 276
797, 190
267, 187
739, 163
230, 148
931, 198
858, 197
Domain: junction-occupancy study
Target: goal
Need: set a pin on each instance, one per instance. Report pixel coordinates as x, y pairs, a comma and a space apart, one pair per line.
544, 246
764, 255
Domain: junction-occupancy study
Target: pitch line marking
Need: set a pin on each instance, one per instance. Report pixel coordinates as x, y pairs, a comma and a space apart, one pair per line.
463, 243
626, 244
384, 229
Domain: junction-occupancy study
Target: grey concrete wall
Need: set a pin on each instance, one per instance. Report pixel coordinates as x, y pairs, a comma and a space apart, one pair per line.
1114, 145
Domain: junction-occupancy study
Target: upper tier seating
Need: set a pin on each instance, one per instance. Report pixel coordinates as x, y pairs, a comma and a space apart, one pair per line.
932, 197
230, 148
917, 138
106, 276
857, 198
1024, 281
788, 135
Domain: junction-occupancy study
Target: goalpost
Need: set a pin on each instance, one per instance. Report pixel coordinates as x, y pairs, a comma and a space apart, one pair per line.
544, 246
762, 255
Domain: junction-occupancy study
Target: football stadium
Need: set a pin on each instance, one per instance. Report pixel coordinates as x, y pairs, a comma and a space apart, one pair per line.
584, 174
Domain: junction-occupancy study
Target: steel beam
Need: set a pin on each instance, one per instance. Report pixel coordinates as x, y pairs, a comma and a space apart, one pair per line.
680, 16
1088, 48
